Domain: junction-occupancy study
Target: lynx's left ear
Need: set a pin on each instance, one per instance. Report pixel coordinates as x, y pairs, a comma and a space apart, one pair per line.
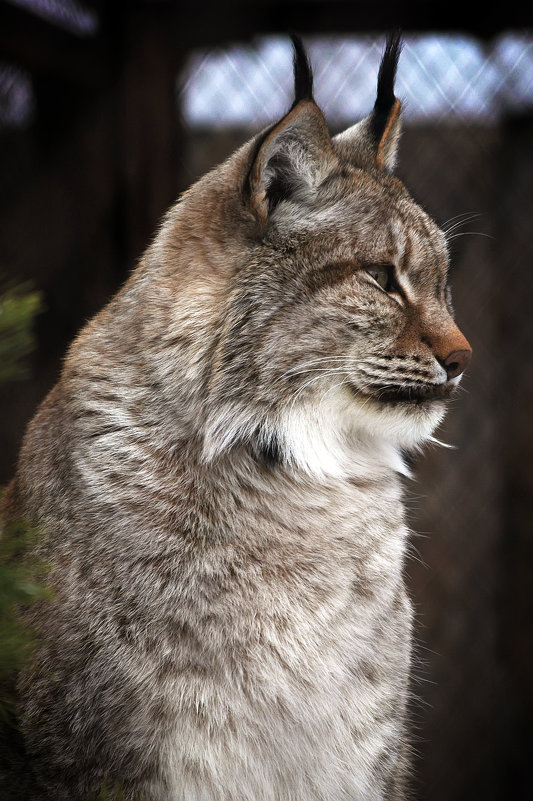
373, 142
295, 155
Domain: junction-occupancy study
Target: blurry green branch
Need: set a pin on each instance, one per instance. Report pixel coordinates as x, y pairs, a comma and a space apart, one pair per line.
18, 308
109, 793
20, 585
20, 574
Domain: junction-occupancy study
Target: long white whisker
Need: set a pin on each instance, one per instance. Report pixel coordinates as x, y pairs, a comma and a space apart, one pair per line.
335, 386
299, 368
323, 370
460, 216
459, 221
304, 386
470, 233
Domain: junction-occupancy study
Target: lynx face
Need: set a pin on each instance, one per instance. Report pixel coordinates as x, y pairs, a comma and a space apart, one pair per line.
339, 322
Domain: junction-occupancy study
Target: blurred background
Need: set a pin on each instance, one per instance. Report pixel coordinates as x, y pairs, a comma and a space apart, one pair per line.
109, 110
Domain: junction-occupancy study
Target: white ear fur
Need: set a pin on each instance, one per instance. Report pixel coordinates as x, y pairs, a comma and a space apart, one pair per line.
293, 159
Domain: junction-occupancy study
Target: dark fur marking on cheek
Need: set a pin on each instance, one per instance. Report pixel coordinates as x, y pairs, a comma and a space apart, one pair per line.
448, 299
268, 452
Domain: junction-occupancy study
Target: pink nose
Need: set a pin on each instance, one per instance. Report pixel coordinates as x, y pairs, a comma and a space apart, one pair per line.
457, 362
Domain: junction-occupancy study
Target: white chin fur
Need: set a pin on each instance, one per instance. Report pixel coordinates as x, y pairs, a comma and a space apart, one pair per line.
342, 435
403, 425
335, 436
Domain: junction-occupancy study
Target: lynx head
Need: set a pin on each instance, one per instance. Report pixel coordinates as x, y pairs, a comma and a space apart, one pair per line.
331, 323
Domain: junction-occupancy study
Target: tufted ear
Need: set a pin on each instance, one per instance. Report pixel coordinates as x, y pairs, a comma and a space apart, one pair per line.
373, 142
295, 155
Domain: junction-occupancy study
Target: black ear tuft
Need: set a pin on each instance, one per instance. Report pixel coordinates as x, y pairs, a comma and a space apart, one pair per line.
303, 73
385, 98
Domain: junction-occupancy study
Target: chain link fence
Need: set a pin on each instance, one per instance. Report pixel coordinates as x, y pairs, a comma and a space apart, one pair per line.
448, 78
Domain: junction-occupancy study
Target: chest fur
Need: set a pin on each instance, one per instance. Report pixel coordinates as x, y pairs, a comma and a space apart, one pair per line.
306, 627
258, 620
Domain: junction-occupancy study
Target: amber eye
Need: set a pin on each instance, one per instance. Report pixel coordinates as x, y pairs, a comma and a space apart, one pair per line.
383, 275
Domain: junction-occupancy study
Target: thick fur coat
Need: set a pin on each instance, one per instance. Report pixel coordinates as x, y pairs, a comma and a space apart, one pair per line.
217, 482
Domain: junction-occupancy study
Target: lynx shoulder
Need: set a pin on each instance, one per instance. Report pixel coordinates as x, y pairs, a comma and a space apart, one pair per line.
217, 482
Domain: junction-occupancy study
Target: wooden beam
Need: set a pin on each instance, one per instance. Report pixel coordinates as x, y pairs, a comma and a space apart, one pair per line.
43, 48
211, 22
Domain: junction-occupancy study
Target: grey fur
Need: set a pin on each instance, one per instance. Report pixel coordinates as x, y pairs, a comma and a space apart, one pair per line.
217, 479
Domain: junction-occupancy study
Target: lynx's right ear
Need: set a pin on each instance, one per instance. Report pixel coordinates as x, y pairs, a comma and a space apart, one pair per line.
295, 155
373, 142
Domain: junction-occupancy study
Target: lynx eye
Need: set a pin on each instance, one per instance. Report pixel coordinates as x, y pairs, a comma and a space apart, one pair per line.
383, 275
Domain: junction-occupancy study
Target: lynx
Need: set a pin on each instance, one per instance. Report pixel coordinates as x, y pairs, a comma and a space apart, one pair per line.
217, 482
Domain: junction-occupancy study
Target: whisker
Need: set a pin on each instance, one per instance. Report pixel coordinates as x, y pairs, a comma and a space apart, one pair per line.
301, 368
462, 215
470, 233
335, 386
458, 221
320, 359
322, 370
308, 383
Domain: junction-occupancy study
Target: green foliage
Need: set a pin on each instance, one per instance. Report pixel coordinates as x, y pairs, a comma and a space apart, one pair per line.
109, 792
18, 308
20, 575
112, 792
21, 584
